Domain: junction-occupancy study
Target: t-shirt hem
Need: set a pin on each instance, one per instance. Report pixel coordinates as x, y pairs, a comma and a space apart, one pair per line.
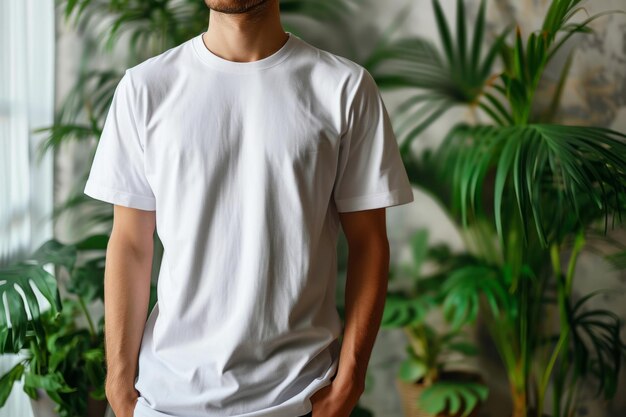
141, 410
371, 201
121, 198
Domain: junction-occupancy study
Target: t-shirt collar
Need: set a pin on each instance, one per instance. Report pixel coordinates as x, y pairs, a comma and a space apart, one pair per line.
226, 65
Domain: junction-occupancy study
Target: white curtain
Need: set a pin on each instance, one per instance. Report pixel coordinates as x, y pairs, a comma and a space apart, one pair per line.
27, 39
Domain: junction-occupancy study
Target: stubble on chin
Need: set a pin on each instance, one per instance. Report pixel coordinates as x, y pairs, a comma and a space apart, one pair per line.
236, 6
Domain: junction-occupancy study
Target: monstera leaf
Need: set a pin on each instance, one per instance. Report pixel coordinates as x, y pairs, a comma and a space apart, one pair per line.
403, 310
452, 397
463, 290
17, 280
21, 275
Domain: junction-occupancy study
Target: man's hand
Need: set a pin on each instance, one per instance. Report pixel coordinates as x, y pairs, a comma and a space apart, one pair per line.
336, 400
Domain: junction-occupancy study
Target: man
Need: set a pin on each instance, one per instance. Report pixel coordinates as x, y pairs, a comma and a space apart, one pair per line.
246, 148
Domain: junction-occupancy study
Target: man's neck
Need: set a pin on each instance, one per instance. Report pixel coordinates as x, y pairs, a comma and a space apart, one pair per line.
246, 37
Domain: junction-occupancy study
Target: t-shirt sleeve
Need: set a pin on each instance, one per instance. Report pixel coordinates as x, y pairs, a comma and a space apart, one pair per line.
370, 172
117, 174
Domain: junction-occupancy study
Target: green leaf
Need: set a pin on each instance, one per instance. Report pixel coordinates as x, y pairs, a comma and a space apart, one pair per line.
93, 242
448, 397
478, 36
449, 78
54, 252
585, 172
461, 36
7, 380
22, 274
402, 310
464, 348
419, 248
444, 33
52, 382
412, 370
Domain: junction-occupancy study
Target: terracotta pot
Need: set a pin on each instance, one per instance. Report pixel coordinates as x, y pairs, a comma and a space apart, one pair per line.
531, 412
44, 406
96, 408
410, 393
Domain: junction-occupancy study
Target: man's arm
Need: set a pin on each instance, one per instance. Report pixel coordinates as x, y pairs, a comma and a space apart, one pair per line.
126, 297
366, 289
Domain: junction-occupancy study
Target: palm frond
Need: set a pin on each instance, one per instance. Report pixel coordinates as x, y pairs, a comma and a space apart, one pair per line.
597, 347
525, 63
459, 75
559, 12
571, 29
576, 169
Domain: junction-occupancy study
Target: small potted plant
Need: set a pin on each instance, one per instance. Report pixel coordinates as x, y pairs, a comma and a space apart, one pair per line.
62, 373
62, 364
428, 382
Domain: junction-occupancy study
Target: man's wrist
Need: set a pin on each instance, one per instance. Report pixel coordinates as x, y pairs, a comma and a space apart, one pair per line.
349, 381
121, 385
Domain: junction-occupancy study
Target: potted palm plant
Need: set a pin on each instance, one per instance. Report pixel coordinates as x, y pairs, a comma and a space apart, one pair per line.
526, 192
429, 380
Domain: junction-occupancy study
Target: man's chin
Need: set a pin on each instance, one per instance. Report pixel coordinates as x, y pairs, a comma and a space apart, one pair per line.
234, 6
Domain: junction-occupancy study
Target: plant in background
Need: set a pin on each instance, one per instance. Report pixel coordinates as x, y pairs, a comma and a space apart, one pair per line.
62, 356
59, 356
429, 367
524, 190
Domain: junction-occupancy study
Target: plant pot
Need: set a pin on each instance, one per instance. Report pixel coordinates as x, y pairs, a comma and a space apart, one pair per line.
532, 412
96, 408
410, 393
43, 406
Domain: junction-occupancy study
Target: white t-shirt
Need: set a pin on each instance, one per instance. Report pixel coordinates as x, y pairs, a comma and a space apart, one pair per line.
247, 165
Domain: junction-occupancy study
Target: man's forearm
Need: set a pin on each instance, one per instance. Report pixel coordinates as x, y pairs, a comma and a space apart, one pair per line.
126, 298
366, 289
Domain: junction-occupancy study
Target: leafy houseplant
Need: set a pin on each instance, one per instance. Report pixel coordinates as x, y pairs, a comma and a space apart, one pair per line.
61, 356
524, 191
427, 382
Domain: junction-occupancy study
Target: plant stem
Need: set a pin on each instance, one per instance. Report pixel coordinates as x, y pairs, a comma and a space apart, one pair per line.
498, 329
524, 331
556, 260
565, 290
579, 242
83, 306
570, 403
546, 375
